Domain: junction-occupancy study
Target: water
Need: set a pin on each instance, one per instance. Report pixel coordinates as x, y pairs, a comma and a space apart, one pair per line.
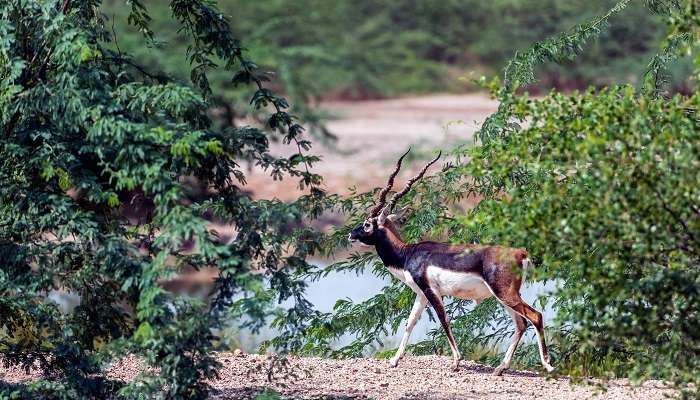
347, 285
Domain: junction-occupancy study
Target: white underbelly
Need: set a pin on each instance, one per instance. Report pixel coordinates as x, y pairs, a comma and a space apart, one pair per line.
405, 277
463, 285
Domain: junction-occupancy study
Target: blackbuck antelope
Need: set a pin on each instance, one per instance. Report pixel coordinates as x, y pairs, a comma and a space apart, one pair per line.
433, 270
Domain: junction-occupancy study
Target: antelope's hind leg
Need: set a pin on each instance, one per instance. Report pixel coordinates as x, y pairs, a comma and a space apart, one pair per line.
513, 301
520, 326
535, 317
506, 288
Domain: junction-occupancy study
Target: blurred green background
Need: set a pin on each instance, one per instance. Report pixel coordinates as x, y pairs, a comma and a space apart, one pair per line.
384, 48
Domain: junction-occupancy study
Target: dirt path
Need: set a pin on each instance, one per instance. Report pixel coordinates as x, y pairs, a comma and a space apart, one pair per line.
417, 377
244, 376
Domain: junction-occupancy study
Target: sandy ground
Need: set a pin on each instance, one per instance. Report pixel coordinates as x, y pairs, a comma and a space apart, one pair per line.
371, 136
245, 376
416, 377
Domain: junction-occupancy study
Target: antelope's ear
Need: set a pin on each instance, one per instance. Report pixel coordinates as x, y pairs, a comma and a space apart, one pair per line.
400, 216
383, 216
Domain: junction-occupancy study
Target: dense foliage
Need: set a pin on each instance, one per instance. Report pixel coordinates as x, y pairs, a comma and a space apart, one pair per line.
607, 193
601, 186
102, 135
96, 155
344, 48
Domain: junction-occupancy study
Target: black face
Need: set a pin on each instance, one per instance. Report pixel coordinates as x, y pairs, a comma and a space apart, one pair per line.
365, 232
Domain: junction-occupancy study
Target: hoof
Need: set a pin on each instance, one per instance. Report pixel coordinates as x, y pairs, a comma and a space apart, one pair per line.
499, 370
549, 368
455, 366
393, 362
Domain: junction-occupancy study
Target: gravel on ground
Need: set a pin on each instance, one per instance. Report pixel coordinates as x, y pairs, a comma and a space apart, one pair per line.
245, 376
416, 377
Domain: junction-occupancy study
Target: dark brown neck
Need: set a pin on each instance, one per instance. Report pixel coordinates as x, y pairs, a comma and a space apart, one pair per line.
390, 247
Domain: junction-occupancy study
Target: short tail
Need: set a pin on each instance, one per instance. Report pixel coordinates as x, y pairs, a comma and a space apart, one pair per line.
527, 266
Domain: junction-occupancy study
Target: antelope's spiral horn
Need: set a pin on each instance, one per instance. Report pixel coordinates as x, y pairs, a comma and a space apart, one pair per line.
397, 196
385, 191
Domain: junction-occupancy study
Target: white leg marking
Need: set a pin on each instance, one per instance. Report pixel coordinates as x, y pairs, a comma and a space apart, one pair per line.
456, 355
418, 306
505, 364
540, 343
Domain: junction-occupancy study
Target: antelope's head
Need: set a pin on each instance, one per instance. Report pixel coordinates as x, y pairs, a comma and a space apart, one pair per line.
380, 217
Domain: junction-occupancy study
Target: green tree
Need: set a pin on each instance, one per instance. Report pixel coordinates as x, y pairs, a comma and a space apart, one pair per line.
86, 134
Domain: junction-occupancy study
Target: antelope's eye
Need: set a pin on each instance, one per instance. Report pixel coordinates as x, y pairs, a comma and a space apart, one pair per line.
367, 226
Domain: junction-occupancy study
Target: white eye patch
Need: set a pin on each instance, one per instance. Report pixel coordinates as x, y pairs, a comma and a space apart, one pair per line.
367, 226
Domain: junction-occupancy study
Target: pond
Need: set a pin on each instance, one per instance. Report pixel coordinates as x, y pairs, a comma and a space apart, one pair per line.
347, 285
344, 285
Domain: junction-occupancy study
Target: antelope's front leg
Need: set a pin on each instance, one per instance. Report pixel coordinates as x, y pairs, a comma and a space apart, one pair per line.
418, 306
436, 302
